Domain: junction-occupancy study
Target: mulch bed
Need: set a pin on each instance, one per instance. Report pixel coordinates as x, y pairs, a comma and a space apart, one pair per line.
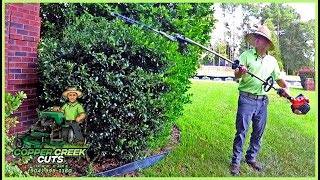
79, 166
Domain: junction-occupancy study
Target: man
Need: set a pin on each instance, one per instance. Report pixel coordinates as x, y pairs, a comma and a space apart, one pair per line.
253, 101
74, 112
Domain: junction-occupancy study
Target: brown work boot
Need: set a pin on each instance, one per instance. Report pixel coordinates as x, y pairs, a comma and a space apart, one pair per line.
234, 170
255, 165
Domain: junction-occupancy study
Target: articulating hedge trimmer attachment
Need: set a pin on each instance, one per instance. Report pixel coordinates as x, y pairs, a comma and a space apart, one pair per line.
300, 104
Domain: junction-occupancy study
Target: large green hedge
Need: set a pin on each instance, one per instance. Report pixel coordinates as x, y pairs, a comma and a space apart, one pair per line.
134, 81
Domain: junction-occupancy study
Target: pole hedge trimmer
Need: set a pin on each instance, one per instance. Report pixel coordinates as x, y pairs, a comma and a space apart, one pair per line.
300, 104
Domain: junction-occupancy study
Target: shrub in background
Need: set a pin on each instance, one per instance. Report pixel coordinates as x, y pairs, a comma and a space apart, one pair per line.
12, 103
133, 81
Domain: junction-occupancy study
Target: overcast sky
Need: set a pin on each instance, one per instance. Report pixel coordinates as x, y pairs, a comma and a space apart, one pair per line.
306, 10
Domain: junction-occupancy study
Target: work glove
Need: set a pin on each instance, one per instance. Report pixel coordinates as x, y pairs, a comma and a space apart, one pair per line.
283, 92
242, 69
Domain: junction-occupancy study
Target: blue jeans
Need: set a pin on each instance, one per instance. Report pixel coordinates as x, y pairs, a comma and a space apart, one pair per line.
249, 109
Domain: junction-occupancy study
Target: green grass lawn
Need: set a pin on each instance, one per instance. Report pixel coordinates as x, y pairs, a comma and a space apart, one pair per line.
208, 127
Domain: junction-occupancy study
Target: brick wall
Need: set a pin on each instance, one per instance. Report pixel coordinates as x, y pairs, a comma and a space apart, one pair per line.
22, 34
309, 84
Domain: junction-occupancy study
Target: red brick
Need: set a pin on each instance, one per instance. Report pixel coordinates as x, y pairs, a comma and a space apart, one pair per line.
22, 32
14, 59
29, 112
16, 113
23, 10
13, 47
13, 8
23, 21
22, 109
34, 55
13, 31
34, 13
28, 102
35, 23
21, 65
26, 49
12, 65
28, 16
32, 65
11, 41
29, 7
23, 119
33, 117
27, 123
14, 81
27, 38
32, 76
34, 49
29, 81
27, 59
17, 25
20, 53
36, 34
9, 88
22, 129
14, 36
309, 84
20, 76
32, 44
20, 87
15, 13
28, 70
10, 53
33, 107
10, 76
16, 70
31, 28
17, 4
36, 8
21, 43
14, 19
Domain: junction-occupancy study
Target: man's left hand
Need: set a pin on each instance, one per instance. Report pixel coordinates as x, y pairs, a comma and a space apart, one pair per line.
78, 119
283, 92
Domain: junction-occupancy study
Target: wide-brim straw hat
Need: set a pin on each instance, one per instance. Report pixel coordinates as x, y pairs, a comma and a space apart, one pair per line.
73, 90
263, 31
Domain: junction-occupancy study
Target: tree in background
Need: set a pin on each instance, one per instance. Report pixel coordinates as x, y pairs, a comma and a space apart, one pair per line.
276, 52
297, 46
296, 38
234, 32
281, 16
208, 58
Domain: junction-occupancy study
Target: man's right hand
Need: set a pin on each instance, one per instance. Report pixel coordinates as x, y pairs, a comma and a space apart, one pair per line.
241, 71
56, 109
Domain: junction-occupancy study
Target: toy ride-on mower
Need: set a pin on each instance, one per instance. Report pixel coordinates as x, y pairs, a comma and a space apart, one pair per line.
51, 129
